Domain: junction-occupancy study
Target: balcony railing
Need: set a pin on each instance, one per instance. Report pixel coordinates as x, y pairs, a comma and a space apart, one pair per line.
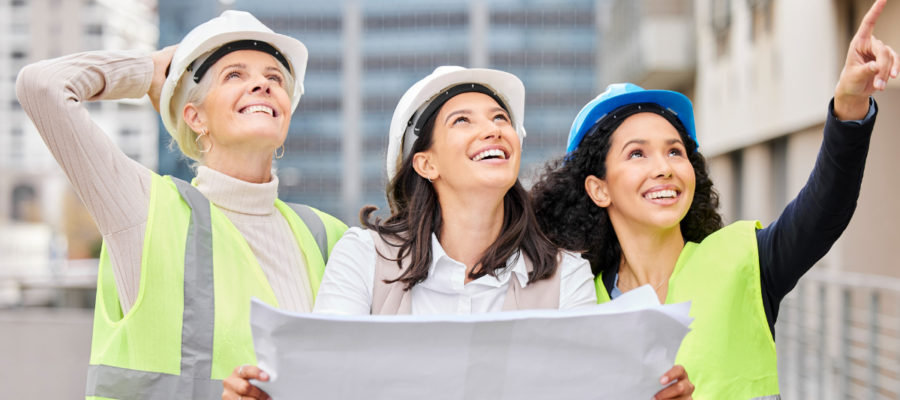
838, 337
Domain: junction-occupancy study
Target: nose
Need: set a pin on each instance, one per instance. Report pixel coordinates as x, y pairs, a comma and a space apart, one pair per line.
662, 169
493, 131
260, 85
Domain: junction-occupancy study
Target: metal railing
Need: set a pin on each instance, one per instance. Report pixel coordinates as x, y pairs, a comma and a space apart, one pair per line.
838, 337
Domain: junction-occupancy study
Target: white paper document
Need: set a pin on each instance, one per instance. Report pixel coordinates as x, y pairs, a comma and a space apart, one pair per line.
618, 350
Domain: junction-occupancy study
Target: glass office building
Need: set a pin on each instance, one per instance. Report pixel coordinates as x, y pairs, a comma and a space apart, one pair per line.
363, 55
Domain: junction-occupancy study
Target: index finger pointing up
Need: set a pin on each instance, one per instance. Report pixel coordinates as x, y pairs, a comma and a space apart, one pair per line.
868, 23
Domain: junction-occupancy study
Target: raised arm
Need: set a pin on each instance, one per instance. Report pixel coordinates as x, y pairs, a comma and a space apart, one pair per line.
813, 221
114, 188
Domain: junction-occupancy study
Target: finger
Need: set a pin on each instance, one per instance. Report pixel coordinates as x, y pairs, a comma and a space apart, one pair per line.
251, 372
896, 65
236, 387
868, 23
677, 372
884, 59
672, 392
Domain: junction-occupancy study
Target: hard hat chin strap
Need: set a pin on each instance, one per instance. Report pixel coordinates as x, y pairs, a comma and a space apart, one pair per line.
237, 46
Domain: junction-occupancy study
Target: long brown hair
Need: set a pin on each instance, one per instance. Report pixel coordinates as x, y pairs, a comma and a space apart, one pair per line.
416, 214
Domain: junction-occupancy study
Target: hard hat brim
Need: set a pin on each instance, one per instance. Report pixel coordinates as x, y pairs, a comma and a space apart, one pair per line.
598, 108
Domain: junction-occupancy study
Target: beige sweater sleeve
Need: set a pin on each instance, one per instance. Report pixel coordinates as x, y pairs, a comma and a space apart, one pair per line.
114, 188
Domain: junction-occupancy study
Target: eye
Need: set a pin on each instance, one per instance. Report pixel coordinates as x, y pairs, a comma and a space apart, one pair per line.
276, 78
501, 117
232, 74
675, 153
460, 119
636, 154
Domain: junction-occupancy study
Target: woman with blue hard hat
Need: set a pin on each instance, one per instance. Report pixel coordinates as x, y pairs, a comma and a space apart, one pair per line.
462, 237
634, 195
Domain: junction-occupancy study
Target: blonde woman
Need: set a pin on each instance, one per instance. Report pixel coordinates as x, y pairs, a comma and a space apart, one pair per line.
180, 261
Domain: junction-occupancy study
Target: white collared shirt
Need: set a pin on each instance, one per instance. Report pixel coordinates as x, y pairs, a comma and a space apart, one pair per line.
350, 277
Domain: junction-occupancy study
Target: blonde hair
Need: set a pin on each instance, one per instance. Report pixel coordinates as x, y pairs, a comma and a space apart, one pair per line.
184, 136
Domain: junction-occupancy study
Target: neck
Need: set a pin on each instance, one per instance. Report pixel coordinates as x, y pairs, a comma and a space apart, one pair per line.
649, 254
243, 165
471, 224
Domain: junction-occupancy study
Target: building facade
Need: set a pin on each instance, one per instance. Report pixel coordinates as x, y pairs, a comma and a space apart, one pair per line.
33, 188
766, 71
363, 55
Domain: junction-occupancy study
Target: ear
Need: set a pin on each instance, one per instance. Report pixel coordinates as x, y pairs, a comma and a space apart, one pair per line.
598, 190
425, 167
192, 117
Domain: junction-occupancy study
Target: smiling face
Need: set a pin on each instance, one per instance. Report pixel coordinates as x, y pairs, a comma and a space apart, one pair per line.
475, 147
649, 179
247, 108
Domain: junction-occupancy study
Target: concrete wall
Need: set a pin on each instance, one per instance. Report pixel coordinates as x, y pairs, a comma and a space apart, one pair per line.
45, 353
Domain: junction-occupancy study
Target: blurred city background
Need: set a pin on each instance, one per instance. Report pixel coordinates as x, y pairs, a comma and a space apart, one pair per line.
760, 74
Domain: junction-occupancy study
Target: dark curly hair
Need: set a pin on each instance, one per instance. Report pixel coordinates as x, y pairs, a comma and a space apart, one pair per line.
416, 214
569, 217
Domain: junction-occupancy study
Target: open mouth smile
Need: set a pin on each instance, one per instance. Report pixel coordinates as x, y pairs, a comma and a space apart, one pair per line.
258, 108
492, 154
662, 195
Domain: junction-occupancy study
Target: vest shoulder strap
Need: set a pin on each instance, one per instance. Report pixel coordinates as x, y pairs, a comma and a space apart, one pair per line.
315, 225
389, 298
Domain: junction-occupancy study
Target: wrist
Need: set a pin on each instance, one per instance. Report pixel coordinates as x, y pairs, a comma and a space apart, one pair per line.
851, 108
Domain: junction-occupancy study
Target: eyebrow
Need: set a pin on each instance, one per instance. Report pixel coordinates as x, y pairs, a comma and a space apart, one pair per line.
271, 68
241, 66
456, 112
638, 141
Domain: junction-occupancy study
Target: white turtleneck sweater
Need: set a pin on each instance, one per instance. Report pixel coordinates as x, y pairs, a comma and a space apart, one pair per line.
116, 189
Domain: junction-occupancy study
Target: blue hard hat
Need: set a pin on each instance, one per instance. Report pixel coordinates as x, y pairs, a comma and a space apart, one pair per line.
623, 94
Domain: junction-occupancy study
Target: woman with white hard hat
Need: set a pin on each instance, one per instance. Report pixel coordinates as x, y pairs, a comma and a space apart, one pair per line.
635, 195
461, 237
180, 261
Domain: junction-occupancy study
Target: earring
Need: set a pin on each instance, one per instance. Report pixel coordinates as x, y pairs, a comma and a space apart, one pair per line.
429, 179
282, 152
199, 147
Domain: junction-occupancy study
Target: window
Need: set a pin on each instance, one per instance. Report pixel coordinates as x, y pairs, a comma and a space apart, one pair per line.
14, 105
16, 132
23, 201
18, 3
18, 55
720, 20
94, 29
761, 18
127, 132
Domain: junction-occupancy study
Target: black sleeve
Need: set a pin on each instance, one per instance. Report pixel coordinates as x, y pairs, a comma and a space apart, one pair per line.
813, 221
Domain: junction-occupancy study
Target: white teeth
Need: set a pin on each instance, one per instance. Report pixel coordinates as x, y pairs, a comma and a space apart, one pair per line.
488, 153
253, 109
669, 194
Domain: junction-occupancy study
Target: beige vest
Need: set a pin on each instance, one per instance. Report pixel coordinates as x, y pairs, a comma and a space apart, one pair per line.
392, 299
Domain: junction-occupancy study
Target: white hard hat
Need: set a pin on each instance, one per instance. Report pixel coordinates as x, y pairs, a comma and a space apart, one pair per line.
505, 86
204, 40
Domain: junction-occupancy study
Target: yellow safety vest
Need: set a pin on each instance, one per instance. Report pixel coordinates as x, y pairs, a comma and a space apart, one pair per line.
730, 352
189, 326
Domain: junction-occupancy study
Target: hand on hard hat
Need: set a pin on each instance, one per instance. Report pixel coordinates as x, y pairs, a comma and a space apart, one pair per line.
870, 64
161, 60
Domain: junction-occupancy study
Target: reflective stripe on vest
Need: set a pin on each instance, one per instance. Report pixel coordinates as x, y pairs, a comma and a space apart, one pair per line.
197, 325
773, 397
315, 226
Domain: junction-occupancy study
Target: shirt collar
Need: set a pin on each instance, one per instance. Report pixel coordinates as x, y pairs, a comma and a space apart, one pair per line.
514, 265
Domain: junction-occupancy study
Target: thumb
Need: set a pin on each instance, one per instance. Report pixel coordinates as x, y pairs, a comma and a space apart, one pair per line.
858, 77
